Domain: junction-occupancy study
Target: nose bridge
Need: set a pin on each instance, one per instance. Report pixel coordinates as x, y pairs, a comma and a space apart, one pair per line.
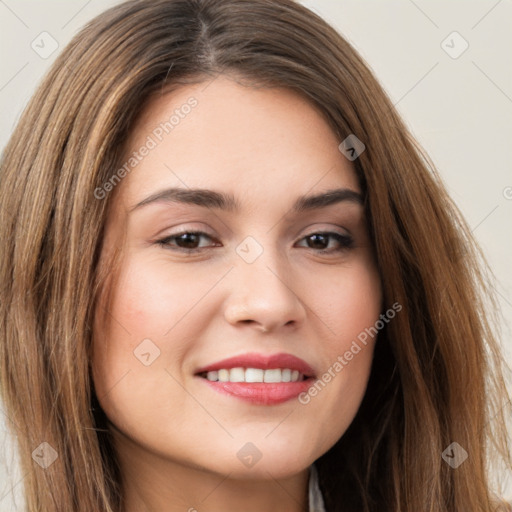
261, 288
261, 262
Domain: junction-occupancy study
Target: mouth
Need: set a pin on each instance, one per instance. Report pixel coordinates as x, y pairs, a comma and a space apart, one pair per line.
259, 379
253, 375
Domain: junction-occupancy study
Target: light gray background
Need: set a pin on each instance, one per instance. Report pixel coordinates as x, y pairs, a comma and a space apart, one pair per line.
460, 109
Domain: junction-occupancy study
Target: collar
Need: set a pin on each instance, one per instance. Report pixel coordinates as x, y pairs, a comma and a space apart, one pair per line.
316, 501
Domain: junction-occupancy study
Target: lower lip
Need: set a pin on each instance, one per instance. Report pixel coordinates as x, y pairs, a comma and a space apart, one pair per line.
261, 393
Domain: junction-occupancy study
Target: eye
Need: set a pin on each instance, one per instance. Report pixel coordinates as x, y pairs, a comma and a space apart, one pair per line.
320, 241
185, 241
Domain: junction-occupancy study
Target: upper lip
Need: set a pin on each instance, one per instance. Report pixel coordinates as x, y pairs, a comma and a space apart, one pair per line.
262, 361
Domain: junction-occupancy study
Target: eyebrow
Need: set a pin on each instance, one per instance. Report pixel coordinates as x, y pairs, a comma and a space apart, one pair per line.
225, 201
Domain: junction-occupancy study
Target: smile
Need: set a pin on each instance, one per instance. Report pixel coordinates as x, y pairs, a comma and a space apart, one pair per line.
259, 379
254, 375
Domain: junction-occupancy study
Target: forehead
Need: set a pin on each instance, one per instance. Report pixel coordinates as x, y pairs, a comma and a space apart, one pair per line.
257, 143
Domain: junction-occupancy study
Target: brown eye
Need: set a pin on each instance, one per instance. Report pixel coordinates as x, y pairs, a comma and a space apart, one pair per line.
189, 241
320, 241
186, 241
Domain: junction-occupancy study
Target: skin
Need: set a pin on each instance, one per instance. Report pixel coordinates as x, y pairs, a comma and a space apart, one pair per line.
177, 439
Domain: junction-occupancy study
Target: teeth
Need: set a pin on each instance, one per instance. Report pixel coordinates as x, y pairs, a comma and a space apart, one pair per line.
272, 376
255, 375
214, 376
286, 375
236, 375
223, 375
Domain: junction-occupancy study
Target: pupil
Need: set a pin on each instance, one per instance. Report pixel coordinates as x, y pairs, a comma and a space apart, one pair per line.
316, 238
188, 238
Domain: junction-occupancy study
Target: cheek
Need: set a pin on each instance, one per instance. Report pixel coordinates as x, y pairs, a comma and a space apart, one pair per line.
154, 301
351, 302
349, 305
154, 296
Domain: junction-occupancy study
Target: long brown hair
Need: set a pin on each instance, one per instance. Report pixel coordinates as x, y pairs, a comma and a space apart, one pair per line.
437, 376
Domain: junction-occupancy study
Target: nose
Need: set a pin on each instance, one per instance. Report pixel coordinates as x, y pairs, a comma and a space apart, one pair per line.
264, 294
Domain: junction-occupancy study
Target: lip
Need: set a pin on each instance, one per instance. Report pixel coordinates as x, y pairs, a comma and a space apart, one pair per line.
260, 393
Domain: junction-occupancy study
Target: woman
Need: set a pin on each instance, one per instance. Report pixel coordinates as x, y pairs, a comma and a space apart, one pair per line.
326, 348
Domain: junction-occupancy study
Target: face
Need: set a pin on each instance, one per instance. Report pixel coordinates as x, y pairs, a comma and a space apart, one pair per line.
216, 293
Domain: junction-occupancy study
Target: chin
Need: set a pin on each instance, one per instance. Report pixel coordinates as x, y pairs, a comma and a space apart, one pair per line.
278, 458
270, 468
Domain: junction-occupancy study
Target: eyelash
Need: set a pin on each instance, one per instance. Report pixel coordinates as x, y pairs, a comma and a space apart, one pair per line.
346, 241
